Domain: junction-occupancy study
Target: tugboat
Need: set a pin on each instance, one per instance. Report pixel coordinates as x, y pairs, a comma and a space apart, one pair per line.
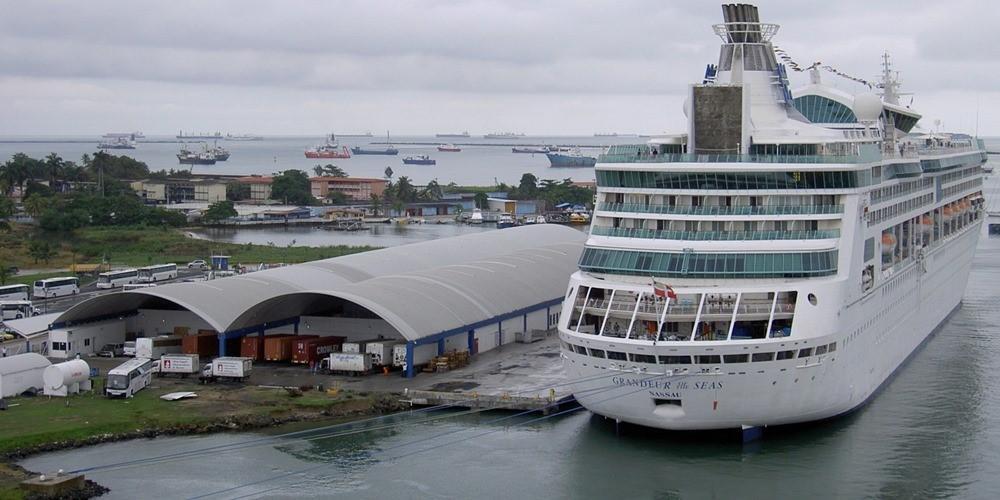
329, 150
449, 148
419, 160
188, 157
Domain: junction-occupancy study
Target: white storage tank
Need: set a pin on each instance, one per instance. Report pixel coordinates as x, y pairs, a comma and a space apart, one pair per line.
66, 378
22, 372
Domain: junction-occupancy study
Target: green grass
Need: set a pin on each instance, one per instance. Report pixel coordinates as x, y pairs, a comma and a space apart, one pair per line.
140, 246
40, 420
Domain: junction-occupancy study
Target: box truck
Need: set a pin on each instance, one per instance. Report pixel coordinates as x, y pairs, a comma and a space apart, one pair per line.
180, 364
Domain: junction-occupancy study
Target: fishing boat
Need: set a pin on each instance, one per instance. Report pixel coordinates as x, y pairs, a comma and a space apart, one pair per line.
188, 157
419, 160
449, 148
331, 149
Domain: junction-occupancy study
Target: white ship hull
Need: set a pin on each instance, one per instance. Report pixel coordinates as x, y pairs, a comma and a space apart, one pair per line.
876, 335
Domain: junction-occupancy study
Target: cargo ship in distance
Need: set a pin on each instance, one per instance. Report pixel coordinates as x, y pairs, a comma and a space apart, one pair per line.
503, 135
775, 263
200, 135
117, 142
463, 135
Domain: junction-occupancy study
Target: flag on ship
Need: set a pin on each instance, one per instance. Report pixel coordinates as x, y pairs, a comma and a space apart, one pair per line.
663, 290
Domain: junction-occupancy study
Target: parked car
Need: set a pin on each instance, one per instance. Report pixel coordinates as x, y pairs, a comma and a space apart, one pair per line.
128, 348
111, 350
12, 270
197, 264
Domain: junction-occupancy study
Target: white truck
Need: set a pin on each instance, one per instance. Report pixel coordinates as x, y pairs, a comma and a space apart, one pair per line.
355, 363
422, 354
154, 347
381, 351
357, 346
179, 364
231, 367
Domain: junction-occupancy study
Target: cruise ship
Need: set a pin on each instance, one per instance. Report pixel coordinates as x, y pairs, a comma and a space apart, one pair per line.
776, 263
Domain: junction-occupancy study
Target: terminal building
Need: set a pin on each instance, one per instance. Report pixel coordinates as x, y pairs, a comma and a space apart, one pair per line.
469, 293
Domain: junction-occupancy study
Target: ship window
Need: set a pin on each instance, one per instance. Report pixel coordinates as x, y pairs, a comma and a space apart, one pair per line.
620, 356
832, 347
597, 353
644, 358
735, 358
671, 402
785, 355
675, 360
708, 359
580, 349
820, 350
812, 298
869, 249
763, 356
805, 353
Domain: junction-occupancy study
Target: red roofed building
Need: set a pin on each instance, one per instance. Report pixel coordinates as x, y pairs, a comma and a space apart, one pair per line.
354, 188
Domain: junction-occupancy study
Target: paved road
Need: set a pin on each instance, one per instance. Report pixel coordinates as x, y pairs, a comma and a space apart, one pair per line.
87, 291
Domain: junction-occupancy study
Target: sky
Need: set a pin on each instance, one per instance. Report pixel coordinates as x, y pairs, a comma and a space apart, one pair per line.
559, 67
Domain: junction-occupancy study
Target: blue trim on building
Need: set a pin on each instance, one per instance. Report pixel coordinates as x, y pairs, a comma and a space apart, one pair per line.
260, 329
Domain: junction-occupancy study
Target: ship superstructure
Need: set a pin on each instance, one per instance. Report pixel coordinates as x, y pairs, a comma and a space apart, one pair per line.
763, 268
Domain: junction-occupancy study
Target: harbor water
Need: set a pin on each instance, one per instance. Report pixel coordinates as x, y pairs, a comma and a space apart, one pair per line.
474, 165
930, 433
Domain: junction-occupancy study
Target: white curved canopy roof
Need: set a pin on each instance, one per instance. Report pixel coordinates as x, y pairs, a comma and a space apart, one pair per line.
420, 289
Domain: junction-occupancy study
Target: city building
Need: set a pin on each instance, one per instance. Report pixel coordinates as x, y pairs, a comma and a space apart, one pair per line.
354, 188
180, 190
260, 186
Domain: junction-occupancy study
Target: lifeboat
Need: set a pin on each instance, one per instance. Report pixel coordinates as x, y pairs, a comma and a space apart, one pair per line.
926, 224
888, 243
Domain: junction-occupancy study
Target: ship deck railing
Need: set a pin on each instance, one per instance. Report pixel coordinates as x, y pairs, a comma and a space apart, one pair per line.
714, 235
719, 210
736, 158
675, 310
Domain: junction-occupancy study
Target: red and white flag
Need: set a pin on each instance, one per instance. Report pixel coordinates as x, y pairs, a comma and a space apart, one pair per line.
663, 290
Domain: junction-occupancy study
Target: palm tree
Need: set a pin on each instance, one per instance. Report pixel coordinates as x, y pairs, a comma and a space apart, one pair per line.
54, 168
376, 204
432, 191
35, 204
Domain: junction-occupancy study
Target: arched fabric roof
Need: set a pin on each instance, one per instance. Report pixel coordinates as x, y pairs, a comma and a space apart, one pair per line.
22, 362
420, 289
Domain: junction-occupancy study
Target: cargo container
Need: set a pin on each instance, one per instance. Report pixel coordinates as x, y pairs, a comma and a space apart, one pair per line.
232, 367
381, 351
422, 354
205, 345
154, 347
279, 348
252, 346
350, 362
357, 346
180, 364
308, 351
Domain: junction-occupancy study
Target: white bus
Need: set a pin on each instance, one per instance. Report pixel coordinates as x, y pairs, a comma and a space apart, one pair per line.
128, 378
152, 274
112, 279
14, 292
17, 309
56, 287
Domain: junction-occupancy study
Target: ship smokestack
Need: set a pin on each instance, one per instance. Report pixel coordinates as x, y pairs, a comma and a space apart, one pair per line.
742, 23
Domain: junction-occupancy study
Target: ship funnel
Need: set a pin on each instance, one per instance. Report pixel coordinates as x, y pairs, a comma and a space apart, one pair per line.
742, 25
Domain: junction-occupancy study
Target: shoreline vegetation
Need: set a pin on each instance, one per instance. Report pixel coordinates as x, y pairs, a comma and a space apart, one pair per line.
41, 425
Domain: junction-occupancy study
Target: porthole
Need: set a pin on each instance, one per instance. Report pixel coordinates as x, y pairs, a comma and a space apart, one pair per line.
812, 298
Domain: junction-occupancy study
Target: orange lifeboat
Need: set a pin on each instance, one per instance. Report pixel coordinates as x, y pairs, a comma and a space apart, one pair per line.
888, 243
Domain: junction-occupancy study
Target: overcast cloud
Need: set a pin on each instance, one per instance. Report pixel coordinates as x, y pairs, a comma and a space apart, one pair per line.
552, 67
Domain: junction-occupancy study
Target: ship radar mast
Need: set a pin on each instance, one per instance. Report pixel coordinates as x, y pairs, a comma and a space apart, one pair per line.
890, 81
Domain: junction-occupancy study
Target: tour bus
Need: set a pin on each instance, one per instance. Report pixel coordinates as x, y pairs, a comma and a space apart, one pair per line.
17, 309
112, 279
56, 287
160, 272
128, 378
14, 292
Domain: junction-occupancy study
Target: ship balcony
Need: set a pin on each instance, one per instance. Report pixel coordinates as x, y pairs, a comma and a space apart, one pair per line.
644, 316
745, 210
621, 232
